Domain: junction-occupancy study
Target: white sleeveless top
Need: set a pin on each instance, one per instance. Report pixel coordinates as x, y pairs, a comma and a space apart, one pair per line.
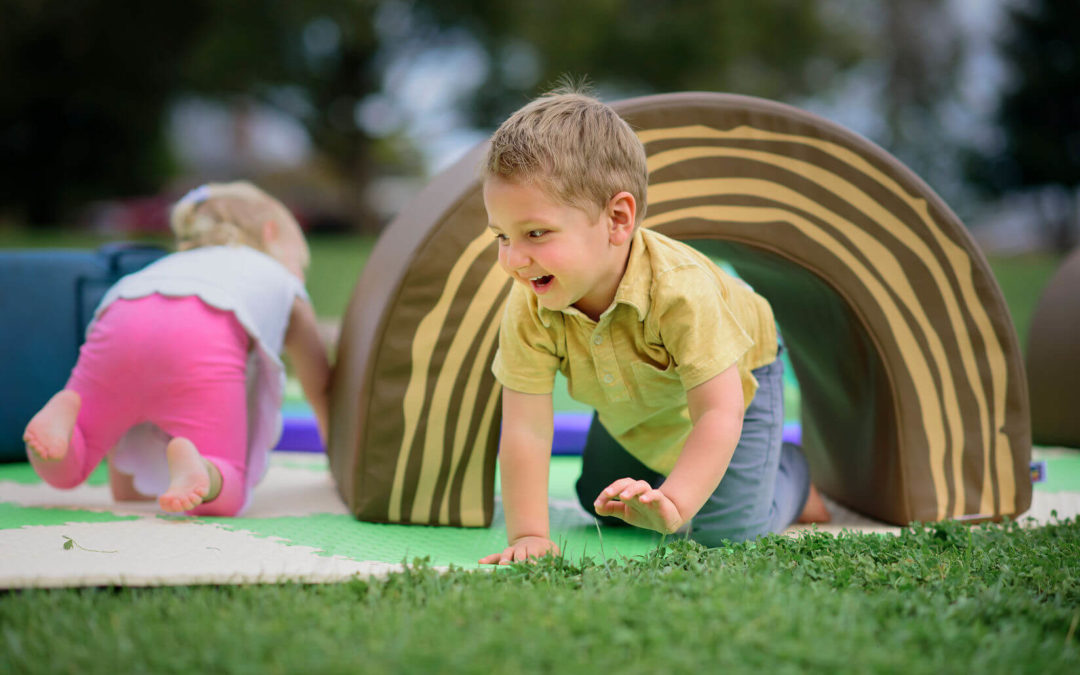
260, 292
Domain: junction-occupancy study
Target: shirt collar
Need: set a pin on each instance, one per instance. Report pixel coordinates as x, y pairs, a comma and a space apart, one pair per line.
633, 289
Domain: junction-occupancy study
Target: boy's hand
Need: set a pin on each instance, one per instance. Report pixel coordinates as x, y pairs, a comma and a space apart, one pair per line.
522, 549
640, 504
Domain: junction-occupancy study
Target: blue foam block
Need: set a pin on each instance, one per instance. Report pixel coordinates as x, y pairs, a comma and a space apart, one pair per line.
47, 298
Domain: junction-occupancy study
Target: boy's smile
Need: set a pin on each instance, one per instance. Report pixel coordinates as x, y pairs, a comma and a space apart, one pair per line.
541, 284
565, 255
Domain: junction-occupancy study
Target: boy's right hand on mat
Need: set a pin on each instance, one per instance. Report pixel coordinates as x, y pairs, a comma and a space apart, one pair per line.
521, 550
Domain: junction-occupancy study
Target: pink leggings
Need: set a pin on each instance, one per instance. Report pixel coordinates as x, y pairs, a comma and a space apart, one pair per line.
174, 362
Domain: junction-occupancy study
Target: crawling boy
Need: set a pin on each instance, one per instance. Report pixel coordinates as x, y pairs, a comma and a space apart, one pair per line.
679, 360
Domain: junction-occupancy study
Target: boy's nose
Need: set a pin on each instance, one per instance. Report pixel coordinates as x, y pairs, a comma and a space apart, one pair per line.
516, 258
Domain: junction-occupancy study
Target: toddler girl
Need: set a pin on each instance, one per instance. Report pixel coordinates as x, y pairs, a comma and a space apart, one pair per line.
180, 376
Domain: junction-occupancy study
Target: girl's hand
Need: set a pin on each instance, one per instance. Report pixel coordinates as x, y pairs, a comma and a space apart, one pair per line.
640, 504
521, 550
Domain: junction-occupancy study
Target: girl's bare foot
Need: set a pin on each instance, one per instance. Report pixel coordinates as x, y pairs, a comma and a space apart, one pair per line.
192, 479
815, 510
49, 431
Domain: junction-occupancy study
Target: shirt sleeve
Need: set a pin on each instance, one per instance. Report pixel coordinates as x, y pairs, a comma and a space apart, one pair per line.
697, 326
527, 358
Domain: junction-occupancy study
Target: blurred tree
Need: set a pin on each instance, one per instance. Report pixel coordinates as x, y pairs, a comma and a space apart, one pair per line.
778, 49
83, 87
922, 57
315, 60
1039, 115
86, 84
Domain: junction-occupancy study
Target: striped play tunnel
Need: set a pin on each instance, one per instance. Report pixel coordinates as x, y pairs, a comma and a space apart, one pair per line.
913, 400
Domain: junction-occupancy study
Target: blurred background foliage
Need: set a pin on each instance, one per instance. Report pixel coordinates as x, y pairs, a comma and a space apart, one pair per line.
110, 109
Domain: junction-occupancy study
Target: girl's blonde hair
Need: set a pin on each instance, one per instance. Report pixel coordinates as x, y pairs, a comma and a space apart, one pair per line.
225, 214
575, 148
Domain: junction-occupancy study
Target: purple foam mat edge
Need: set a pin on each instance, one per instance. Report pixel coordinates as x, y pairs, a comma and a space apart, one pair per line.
299, 434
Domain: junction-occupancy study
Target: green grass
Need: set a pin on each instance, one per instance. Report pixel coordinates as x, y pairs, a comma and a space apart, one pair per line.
336, 263
1022, 280
937, 599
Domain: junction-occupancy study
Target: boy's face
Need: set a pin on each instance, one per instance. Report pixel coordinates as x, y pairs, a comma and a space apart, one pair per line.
563, 254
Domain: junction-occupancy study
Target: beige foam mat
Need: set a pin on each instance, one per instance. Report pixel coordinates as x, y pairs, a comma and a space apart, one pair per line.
296, 529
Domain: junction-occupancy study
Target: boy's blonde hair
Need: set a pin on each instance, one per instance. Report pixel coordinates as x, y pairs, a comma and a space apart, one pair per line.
575, 148
223, 214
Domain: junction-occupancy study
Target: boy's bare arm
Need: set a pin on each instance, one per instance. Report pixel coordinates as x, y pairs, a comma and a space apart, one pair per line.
524, 458
307, 354
716, 410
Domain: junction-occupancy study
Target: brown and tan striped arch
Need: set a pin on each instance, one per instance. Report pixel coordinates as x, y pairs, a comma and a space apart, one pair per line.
914, 405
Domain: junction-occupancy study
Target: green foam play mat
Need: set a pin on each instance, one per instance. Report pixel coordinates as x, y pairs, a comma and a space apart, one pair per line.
297, 529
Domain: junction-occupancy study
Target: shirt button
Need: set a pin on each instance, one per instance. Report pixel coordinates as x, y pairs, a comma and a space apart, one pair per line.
609, 378
598, 340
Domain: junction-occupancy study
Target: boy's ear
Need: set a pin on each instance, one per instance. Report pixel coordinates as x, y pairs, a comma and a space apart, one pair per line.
621, 212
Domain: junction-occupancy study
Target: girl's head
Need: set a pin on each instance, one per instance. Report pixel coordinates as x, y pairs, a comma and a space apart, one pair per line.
239, 214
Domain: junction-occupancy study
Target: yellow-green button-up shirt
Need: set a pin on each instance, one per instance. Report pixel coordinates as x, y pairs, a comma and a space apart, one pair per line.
676, 322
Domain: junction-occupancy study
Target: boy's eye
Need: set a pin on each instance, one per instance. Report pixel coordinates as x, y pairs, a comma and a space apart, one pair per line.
501, 238
534, 234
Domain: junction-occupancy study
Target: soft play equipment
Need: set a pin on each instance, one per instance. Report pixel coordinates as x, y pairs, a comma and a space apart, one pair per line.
1053, 359
48, 299
914, 403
